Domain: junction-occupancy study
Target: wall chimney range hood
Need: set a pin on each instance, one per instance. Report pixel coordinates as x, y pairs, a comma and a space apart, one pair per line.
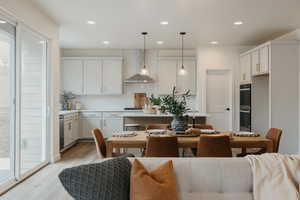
142, 77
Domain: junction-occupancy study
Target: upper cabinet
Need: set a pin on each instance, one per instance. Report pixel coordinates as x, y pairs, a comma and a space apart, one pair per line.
245, 68
72, 76
260, 61
169, 77
112, 76
92, 76
187, 81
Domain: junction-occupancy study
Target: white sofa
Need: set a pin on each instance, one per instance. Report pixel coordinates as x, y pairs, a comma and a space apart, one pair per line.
209, 178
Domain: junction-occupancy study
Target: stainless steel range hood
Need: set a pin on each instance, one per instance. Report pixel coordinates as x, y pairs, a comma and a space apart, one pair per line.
139, 78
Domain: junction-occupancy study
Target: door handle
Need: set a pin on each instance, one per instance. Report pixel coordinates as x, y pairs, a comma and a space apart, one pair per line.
228, 109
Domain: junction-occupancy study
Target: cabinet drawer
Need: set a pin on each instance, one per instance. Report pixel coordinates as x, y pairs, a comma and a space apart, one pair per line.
112, 115
91, 114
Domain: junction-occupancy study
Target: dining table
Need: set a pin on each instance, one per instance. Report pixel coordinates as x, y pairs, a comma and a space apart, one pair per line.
139, 139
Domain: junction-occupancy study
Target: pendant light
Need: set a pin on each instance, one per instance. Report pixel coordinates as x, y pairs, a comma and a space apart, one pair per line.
182, 70
144, 70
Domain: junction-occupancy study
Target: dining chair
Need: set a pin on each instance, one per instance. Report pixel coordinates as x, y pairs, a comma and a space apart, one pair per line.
273, 134
157, 126
203, 126
200, 126
214, 146
101, 145
161, 146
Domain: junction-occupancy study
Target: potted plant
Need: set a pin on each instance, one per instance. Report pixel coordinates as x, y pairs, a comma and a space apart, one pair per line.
156, 103
176, 104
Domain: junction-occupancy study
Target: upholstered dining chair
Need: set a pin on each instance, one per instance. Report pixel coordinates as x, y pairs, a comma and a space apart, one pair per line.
161, 146
101, 145
273, 134
157, 126
200, 126
203, 126
214, 146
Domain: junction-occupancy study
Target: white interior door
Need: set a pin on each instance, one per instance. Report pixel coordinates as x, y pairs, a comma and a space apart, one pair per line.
219, 99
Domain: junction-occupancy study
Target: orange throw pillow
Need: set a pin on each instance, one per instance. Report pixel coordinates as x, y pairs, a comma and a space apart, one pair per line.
154, 185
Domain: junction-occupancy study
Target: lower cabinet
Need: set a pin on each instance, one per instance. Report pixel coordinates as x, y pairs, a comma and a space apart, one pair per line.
68, 131
88, 124
112, 125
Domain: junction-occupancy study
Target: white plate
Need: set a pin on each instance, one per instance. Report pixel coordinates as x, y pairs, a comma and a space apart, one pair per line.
207, 131
156, 131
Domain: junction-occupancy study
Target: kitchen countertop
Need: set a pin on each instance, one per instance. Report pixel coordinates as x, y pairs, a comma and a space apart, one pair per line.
141, 114
130, 113
66, 112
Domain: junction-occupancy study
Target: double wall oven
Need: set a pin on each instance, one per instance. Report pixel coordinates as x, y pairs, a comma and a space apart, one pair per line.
245, 107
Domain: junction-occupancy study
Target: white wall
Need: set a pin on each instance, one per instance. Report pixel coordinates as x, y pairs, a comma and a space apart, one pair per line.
131, 65
219, 57
294, 35
26, 12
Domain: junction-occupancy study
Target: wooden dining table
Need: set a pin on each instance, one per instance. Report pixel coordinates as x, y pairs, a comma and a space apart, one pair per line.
140, 139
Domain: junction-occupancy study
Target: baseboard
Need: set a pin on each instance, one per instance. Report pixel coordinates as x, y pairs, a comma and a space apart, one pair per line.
55, 158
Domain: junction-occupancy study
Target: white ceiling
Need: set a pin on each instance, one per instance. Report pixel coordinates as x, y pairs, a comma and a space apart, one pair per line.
121, 21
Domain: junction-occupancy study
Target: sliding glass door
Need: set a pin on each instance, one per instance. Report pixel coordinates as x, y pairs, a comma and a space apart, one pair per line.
23, 102
32, 100
7, 109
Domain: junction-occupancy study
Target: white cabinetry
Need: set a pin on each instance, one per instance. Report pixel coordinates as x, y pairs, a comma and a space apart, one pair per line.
260, 61
112, 76
67, 131
245, 68
169, 77
76, 127
187, 81
89, 121
112, 123
92, 75
72, 76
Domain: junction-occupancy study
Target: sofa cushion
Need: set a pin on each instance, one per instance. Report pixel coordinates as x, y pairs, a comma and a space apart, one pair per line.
209, 178
108, 180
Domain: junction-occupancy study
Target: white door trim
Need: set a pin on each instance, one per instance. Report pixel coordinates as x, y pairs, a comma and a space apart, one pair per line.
231, 97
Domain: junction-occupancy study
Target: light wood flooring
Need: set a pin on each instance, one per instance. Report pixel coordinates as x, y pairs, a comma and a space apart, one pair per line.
45, 185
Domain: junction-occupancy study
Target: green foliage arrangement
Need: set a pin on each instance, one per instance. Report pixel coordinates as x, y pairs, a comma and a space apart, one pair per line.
155, 101
176, 104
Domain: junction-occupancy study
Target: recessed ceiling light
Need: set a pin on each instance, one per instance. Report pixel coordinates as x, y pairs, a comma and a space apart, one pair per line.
214, 42
42, 42
164, 23
106, 42
238, 23
91, 22
160, 42
2, 22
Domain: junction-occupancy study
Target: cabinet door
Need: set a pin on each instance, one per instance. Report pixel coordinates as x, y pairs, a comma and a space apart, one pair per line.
187, 81
72, 76
111, 126
92, 77
112, 76
264, 59
245, 69
76, 127
67, 132
88, 124
255, 63
167, 75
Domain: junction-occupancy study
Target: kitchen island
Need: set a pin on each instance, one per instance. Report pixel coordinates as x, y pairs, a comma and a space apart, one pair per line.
142, 119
